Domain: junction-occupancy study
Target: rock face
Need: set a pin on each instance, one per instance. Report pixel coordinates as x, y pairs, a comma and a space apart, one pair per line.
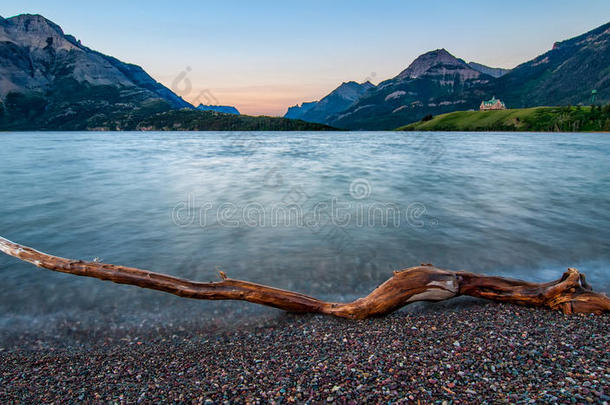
335, 102
437, 62
36, 53
227, 109
68, 80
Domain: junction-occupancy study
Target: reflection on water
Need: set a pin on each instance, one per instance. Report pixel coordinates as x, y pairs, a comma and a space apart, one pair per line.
329, 214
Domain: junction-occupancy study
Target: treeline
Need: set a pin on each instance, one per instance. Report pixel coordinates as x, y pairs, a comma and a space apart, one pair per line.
77, 106
571, 119
82, 107
193, 120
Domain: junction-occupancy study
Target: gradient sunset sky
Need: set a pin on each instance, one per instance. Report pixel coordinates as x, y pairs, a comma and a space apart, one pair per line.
263, 56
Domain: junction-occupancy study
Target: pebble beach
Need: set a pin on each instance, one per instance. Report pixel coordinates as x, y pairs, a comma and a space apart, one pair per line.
476, 352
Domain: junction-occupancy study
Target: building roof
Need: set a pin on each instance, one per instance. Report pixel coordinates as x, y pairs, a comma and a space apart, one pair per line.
493, 100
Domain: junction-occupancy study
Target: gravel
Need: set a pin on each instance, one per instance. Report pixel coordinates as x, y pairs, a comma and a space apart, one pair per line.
474, 353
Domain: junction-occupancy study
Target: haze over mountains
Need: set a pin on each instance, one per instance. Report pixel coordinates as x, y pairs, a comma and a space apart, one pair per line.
49, 80
438, 82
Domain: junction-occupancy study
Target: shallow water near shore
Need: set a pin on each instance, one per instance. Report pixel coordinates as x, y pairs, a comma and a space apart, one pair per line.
327, 214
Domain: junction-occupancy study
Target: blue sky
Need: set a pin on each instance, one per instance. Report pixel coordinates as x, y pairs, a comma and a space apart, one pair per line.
263, 56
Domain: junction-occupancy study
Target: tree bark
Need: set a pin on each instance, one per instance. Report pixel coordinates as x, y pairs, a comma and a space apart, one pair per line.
570, 294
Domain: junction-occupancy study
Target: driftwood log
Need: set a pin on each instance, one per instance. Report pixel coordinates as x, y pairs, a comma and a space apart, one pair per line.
570, 294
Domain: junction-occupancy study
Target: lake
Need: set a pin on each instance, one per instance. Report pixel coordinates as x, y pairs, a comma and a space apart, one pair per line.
328, 214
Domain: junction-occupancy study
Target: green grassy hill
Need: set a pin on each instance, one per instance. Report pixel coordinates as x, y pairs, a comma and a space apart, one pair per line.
541, 119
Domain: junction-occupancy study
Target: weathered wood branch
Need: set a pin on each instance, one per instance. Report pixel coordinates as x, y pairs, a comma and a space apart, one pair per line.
570, 294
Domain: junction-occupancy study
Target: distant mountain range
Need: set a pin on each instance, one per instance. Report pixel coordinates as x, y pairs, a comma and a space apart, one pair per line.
438, 82
337, 101
493, 72
227, 109
435, 81
50, 81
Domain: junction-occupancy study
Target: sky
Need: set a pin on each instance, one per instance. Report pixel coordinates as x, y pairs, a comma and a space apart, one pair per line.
264, 56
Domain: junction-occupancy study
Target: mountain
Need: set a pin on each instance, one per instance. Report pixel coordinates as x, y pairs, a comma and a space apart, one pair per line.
297, 111
494, 72
567, 74
50, 81
335, 102
435, 63
218, 108
435, 81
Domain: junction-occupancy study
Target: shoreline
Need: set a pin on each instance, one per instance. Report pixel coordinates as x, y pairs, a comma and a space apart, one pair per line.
474, 352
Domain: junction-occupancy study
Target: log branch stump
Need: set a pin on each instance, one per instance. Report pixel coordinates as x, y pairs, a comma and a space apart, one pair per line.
570, 294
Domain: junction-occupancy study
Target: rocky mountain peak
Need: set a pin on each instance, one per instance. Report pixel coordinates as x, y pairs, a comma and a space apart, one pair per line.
36, 57
351, 90
33, 24
425, 62
35, 32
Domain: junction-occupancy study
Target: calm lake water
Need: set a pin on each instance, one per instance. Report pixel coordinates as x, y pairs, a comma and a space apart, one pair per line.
329, 214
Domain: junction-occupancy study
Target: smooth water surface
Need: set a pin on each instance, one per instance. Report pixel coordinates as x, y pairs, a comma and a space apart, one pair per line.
329, 214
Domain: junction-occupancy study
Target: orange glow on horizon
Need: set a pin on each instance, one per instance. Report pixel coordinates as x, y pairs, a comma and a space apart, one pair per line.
272, 100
